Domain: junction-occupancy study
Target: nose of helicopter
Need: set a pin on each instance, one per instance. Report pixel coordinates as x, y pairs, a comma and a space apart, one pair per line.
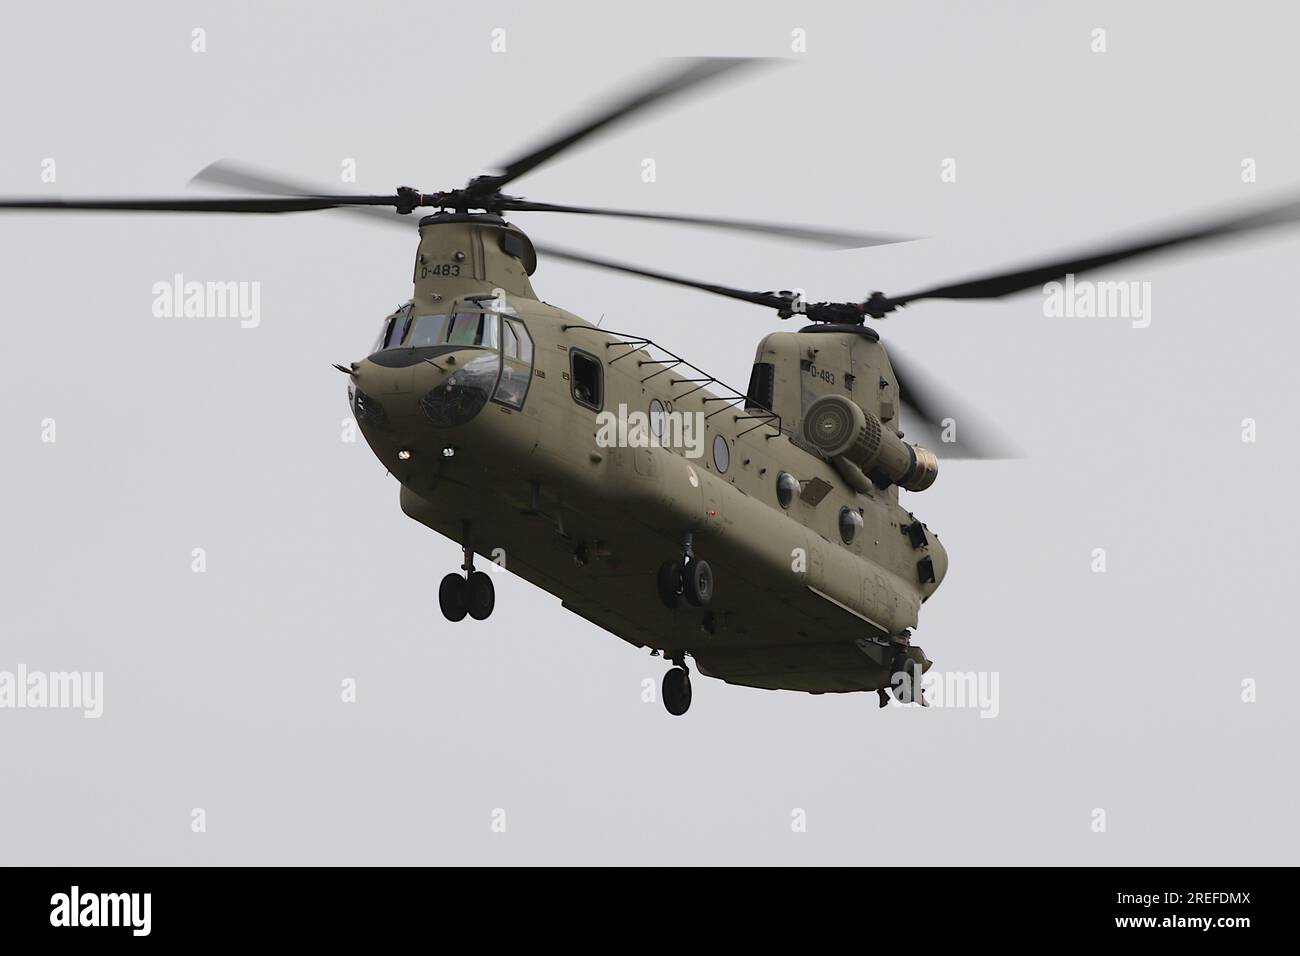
398, 391
381, 378
381, 394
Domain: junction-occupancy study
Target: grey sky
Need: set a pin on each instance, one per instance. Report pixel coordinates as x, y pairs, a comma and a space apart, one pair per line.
222, 690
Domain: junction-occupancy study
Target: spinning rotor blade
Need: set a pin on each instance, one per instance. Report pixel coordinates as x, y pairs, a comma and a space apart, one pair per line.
1004, 283
973, 439
830, 237
692, 73
227, 173
270, 205
769, 299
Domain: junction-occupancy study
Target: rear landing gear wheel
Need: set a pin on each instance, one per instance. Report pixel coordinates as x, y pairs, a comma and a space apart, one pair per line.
677, 691
671, 583
480, 595
453, 598
699, 583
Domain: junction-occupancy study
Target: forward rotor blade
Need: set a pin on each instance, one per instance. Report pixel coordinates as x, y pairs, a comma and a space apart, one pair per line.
974, 438
224, 172
1004, 283
829, 237
227, 173
269, 205
757, 298
692, 73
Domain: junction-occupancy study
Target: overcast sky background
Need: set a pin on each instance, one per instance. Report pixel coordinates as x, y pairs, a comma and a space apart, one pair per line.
1119, 691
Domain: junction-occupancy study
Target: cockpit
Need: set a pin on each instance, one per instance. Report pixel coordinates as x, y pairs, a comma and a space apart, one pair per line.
503, 371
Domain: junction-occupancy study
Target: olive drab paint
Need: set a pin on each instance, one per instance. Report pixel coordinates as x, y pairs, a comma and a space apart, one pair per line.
591, 524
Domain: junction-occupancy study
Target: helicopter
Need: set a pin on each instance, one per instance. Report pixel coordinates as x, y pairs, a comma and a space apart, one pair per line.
758, 533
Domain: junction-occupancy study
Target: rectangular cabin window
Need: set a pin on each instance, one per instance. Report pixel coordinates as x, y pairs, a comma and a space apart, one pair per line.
588, 380
762, 381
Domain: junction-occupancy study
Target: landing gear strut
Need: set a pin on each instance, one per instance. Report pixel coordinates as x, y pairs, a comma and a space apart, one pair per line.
686, 577
474, 594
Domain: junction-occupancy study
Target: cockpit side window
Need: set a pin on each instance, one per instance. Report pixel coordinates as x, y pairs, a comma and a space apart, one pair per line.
393, 329
516, 363
525, 343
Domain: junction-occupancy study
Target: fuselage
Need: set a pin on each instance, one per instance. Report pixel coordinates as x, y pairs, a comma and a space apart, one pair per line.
580, 460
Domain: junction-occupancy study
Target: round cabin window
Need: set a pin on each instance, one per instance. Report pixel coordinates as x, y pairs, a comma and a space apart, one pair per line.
787, 486
721, 454
850, 522
657, 419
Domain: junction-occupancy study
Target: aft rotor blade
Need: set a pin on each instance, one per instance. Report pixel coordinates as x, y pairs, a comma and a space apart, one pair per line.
757, 298
999, 284
268, 205
840, 239
933, 407
691, 74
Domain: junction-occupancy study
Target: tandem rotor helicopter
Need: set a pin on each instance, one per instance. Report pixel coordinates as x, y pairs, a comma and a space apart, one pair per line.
777, 555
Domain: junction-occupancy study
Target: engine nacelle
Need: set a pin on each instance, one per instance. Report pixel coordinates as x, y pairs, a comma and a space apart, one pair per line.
840, 428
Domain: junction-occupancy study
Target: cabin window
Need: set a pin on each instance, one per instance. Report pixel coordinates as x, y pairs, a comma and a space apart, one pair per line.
588, 380
787, 486
721, 454
516, 364
658, 417
850, 522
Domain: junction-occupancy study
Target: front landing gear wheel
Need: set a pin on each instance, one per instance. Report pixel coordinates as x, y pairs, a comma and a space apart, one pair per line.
699, 583
670, 583
453, 598
480, 595
677, 691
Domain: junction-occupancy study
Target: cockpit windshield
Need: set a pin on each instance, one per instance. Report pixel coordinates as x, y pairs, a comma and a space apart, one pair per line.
465, 327
474, 328
428, 330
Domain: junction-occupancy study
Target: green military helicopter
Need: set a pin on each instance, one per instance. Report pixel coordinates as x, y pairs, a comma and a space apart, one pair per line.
759, 532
